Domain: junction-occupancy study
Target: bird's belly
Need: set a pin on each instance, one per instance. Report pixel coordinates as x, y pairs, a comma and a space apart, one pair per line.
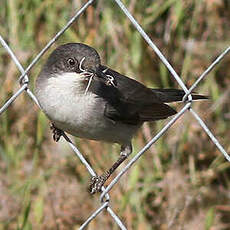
88, 121
83, 116
92, 124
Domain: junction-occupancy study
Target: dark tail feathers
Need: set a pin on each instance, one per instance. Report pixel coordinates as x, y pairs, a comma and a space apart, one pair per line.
171, 95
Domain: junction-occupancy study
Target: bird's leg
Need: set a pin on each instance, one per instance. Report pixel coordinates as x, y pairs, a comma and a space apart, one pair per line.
98, 181
57, 133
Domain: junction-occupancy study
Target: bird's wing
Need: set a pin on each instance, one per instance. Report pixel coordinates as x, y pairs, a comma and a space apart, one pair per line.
128, 101
132, 114
131, 91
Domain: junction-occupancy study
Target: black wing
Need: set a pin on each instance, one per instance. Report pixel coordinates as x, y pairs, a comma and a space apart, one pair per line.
129, 101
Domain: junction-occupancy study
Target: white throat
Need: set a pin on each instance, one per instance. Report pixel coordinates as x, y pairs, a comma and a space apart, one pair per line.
67, 81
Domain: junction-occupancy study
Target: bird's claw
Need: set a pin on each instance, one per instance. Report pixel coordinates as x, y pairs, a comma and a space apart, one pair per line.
57, 133
96, 184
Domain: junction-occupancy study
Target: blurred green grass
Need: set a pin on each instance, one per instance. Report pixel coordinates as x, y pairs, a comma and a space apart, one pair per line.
182, 182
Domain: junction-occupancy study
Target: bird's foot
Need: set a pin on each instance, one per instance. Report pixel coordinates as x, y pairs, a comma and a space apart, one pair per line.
96, 184
57, 133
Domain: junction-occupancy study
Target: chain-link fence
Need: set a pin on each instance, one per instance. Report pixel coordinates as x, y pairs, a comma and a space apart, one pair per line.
105, 198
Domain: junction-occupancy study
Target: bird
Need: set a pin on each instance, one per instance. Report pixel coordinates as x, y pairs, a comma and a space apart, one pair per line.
89, 100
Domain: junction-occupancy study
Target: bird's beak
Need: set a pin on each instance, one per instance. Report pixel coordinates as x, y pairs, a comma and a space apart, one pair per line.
104, 76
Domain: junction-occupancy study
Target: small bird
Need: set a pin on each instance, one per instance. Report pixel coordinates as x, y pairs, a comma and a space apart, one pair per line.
89, 100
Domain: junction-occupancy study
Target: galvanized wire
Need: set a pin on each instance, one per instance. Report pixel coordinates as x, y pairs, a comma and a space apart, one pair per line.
26, 81
104, 198
206, 72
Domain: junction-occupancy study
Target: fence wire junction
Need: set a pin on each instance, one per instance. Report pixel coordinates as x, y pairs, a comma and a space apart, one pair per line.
105, 198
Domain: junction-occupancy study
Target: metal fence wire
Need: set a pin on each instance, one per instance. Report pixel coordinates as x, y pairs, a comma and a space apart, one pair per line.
105, 198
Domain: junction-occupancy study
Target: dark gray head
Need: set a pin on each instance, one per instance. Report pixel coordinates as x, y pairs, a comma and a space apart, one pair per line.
67, 58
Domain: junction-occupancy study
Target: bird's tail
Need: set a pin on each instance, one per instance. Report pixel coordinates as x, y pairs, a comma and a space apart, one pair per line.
171, 95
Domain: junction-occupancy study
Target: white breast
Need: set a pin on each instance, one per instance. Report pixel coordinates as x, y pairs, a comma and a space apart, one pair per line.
64, 101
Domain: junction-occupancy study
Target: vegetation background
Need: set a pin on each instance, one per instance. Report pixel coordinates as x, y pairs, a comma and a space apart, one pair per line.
182, 182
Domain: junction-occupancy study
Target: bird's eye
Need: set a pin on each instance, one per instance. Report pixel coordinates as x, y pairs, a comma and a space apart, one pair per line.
71, 61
